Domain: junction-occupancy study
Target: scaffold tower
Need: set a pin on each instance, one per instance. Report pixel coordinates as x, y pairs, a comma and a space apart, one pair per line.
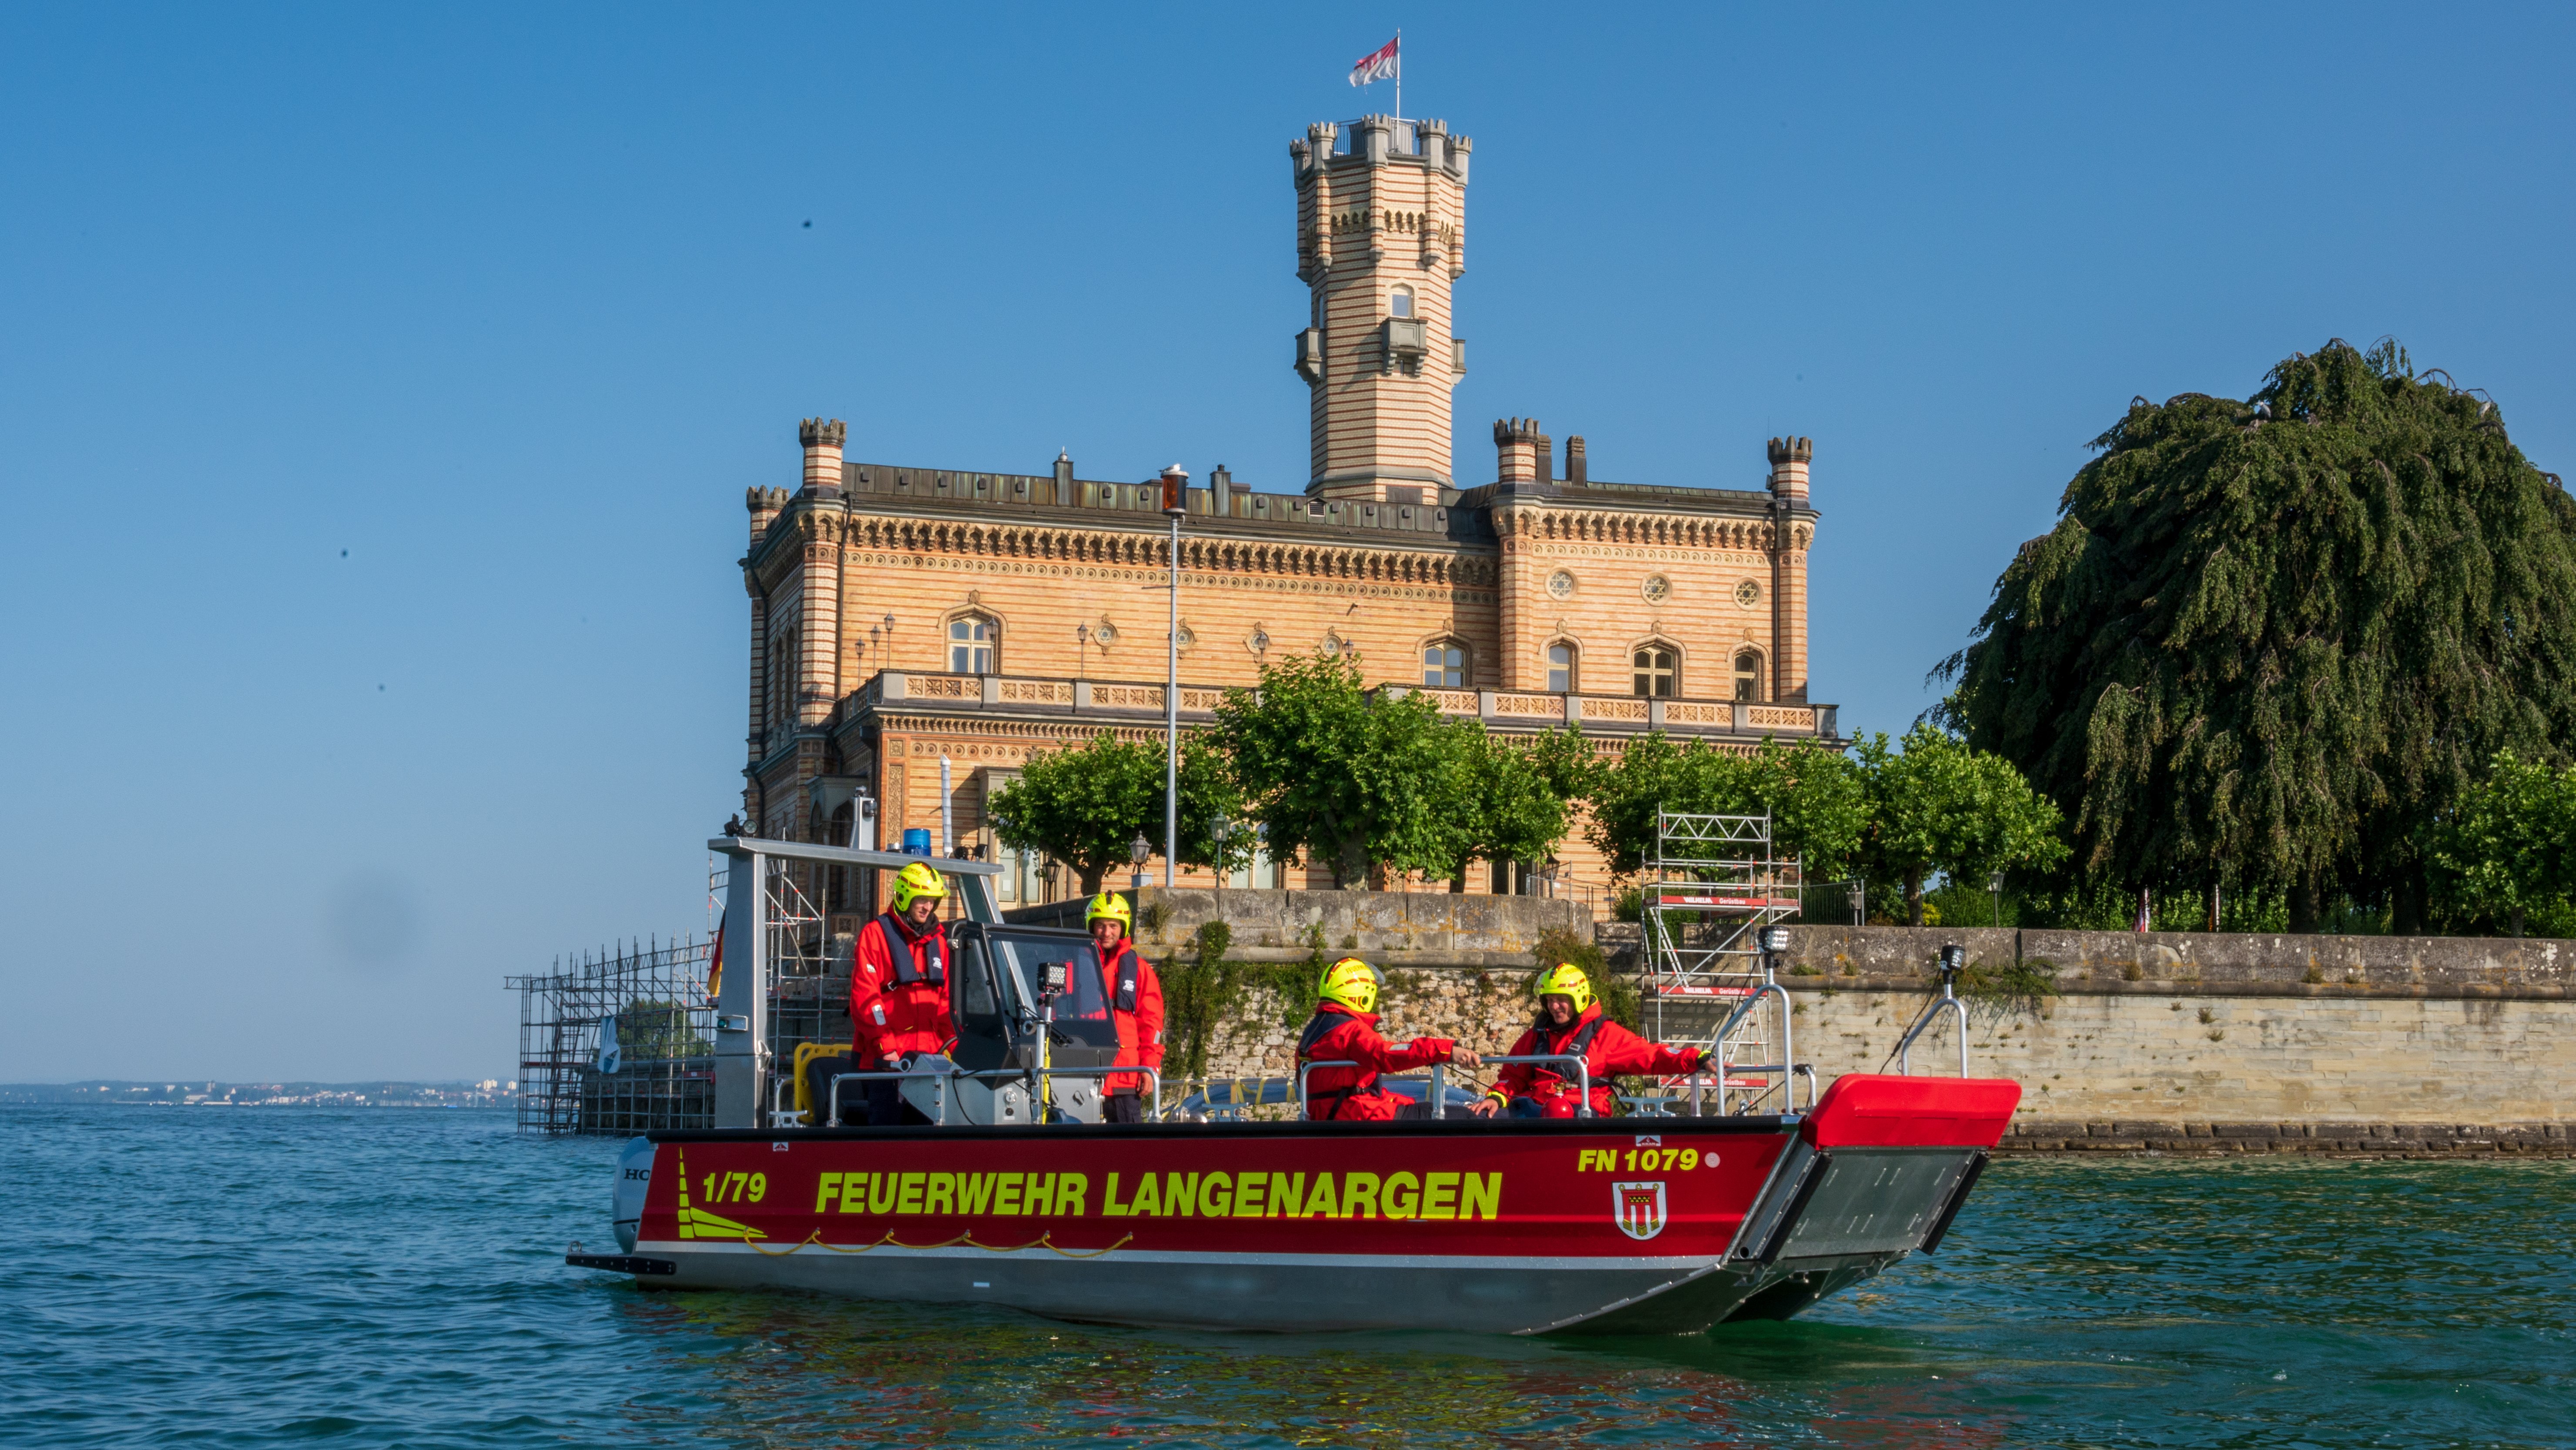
1711, 889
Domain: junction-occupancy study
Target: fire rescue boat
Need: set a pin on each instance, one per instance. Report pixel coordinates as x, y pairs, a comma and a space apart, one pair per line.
1016, 1194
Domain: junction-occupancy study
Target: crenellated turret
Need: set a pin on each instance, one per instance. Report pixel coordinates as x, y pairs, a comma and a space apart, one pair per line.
1789, 460
822, 439
1381, 231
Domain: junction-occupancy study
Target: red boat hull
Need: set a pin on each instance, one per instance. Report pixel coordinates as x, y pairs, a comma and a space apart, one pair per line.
1512, 1226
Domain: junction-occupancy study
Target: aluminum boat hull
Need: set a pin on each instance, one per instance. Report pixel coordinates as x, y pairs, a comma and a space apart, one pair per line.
1665, 1225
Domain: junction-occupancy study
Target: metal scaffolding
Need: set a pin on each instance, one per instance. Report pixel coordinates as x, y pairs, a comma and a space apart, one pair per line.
623, 1040
618, 1041
1708, 892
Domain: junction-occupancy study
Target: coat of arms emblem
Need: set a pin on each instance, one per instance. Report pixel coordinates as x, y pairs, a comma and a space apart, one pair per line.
1638, 1208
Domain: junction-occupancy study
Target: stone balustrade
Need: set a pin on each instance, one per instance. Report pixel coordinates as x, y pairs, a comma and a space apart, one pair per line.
1616, 714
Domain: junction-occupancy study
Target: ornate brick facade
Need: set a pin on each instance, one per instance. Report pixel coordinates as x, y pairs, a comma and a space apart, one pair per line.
902, 616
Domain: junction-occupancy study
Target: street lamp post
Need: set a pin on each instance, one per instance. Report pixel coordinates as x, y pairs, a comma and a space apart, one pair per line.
1175, 503
1859, 902
1995, 888
1137, 851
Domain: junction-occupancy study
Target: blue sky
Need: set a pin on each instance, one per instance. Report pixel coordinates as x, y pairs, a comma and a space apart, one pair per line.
510, 304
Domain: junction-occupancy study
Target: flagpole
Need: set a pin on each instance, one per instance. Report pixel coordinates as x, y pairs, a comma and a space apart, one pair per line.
1399, 72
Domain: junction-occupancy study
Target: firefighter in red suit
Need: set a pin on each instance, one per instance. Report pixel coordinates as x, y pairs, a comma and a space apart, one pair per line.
1344, 1029
1135, 997
899, 991
1569, 1021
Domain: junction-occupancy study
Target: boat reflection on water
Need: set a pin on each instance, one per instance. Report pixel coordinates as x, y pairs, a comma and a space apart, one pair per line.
813, 1369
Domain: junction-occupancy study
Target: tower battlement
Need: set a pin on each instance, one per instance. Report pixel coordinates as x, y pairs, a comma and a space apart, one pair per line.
1381, 239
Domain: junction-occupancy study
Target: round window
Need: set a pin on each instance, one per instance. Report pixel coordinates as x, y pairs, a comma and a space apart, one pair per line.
1657, 589
1748, 594
1560, 585
1105, 632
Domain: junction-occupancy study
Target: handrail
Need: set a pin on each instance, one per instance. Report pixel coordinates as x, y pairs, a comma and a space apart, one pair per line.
1930, 1012
1582, 1074
1438, 1098
1788, 1065
1154, 1085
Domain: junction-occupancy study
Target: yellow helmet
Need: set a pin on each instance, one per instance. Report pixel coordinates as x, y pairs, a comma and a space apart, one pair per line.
917, 880
1351, 982
1565, 979
1109, 905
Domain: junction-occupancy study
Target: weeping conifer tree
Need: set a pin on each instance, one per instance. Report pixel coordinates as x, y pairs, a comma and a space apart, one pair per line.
2271, 642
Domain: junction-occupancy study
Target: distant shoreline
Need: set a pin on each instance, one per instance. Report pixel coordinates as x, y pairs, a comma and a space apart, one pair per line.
123, 1092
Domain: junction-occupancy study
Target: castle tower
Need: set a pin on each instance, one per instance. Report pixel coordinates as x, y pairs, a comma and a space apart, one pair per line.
1793, 529
1381, 236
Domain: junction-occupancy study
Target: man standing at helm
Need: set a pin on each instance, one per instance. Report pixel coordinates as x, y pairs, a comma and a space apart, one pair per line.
1135, 997
1344, 1029
1570, 1022
899, 991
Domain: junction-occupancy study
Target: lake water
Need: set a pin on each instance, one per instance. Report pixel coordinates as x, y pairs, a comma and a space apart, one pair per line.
284, 1276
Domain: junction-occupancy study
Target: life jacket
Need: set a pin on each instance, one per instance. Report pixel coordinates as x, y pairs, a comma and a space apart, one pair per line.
899, 948
1122, 992
1579, 1044
1366, 1086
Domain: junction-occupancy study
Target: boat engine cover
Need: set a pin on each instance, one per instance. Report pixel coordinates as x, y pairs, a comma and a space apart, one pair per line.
1872, 1110
634, 1176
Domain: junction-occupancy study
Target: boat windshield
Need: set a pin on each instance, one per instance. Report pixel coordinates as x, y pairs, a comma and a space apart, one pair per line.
1026, 959
994, 999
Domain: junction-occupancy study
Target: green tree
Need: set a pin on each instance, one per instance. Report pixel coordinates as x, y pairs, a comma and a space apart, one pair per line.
1939, 805
1515, 796
1084, 804
2511, 844
2270, 642
1817, 798
1355, 779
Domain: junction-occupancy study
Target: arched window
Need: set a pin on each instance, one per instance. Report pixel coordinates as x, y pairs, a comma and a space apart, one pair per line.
970, 645
1560, 668
1748, 675
1444, 665
782, 678
1656, 673
1401, 304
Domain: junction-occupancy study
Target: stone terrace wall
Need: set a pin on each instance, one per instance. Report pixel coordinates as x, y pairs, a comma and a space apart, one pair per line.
2172, 1041
2225, 1043
1393, 929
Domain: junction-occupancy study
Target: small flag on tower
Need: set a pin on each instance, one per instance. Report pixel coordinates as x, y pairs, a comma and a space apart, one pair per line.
1386, 63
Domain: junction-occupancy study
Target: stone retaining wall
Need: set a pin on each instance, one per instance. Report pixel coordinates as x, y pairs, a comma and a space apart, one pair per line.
1392, 929
2400, 1140
2165, 1041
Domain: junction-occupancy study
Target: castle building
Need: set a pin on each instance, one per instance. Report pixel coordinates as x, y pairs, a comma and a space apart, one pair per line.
918, 631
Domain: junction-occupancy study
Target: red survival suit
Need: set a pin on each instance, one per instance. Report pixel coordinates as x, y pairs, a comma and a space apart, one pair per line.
1352, 1094
1135, 997
1608, 1049
899, 992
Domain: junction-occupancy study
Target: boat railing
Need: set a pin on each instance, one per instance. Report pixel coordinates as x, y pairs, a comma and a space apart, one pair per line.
1216, 1099
1786, 1069
1661, 1105
832, 1110
1953, 960
1438, 1095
